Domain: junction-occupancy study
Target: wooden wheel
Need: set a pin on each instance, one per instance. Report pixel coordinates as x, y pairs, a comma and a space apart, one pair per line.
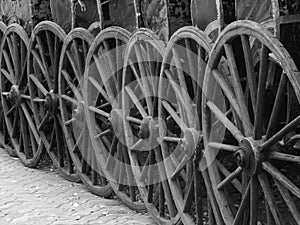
4, 136
102, 107
250, 127
71, 70
44, 51
180, 88
16, 98
142, 64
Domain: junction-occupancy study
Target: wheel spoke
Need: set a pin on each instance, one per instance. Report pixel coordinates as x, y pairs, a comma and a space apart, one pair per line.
235, 182
289, 201
250, 70
285, 157
280, 134
273, 122
136, 101
15, 128
30, 122
254, 194
78, 141
73, 64
274, 172
38, 84
238, 89
105, 77
69, 99
44, 121
269, 197
225, 121
227, 90
24, 134
44, 60
230, 177
8, 76
224, 147
263, 72
40, 63
244, 203
50, 45
99, 111
99, 88
71, 85
75, 49
183, 99
8, 64
174, 115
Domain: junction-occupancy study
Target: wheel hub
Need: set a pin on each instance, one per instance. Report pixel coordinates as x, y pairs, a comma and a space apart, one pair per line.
14, 95
149, 129
79, 112
248, 156
51, 104
116, 121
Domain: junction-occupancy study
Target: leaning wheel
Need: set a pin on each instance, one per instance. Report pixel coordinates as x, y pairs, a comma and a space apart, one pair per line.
71, 70
104, 118
16, 98
251, 125
180, 130
4, 136
142, 65
44, 51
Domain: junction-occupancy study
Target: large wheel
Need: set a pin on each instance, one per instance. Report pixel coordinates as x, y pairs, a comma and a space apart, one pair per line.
71, 70
142, 64
16, 98
4, 136
180, 129
102, 105
44, 51
250, 125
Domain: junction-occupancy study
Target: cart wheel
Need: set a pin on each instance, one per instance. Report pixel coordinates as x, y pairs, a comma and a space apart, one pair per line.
102, 105
44, 51
16, 98
142, 64
4, 136
180, 88
71, 70
251, 127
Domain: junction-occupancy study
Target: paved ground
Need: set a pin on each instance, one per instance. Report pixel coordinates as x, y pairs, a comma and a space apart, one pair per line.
42, 197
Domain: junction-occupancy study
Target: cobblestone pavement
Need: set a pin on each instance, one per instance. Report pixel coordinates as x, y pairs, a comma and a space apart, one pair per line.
30, 196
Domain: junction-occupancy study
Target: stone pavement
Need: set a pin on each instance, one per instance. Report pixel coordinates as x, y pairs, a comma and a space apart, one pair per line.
41, 197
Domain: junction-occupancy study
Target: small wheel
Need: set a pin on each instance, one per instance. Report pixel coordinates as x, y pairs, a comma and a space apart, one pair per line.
142, 65
43, 60
102, 106
16, 97
4, 136
71, 70
251, 127
180, 129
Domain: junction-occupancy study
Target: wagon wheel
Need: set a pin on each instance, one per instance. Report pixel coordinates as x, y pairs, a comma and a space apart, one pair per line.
102, 106
5, 141
16, 98
250, 128
142, 64
71, 70
44, 51
180, 88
